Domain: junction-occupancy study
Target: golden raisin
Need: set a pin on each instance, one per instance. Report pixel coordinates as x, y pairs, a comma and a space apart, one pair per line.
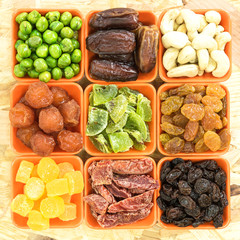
164, 96
225, 137
211, 120
191, 130
183, 90
180, 120
200, 146
174, 146
192, 98
166, 118
164, 138
213, 102
171, 129
215, 89
172, 104
212, 140
188, 147
192, 111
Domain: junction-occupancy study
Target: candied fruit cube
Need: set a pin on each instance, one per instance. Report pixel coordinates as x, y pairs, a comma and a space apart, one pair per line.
57, 187
24, 171
38, 202
65, 167
22, 205
52, 207
47, 169
34, 188
70, 212
75, 182
66, 198
34, 171
36, 221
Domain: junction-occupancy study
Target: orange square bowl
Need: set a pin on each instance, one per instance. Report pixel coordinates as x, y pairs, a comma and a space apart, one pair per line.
206, 77
224, 164
15, 28
166, 87
148, 91
91, 222
17, 188
74, 90
147, 18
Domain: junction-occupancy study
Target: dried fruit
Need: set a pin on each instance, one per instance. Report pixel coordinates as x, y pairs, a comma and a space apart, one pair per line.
180, 120
183, 90
193, 98
171, 129
34, 188
200, 146
193, 112
167, 118
22, 205
214, 102
202, 185
164, 138
212, 140
70, 212
214, 89
126, 58
188, 147
175, 145
225, 138
223, 112
24, 171
97, 203
37, 222
172, 104
75, 182
57, 187
211, 120
65, 167
59, 96
191, 130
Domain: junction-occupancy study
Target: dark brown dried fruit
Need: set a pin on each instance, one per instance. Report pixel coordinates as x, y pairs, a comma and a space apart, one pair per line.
175, 213
213, 102
191, 130
220, 177
184, 222
173, 175
204, 201
193, 98
194, 174
175, 145
127, 58
180, 120
167, 189
165, 169
59, 96
184, 188
223, 112
218, 221
202, 185
211, 212
183, 90
172, 104
171, 129
212, 140
195, 212
192, 111
215, 192
97, 203
225, 137
187, 202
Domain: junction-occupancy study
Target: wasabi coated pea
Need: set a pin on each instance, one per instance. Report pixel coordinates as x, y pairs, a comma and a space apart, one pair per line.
59, 40
23, 50
26, 64
33, 16
64, 60
68, 72
76, 56
56, 73
34, 41
25, 27
18, 71
75, 43
22, 36
33, 56
33, 73
75, 68
53, 16
66, 45
18, 42
27, 42
49, 69
55, 51
56, 26
50, 37
51, 62
66, 32
42, 24
21, 17
35, 32
45, 76
19, 59
75, 35
40, 65
76, 23
66, 18
42, 51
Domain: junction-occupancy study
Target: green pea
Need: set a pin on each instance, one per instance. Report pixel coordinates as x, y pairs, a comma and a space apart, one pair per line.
18, 42
68, 72
49, 69
34, 41
56, 26
64, 60
59, 40
33, 73
66, 45
18, 71
42, 51
75, 35
35, 32
66, 18
27, 42
53, 16
42, 24
33, 16
75, 43
25, 27
45, 76
76, 56
19, 59
55, 51
23, 50
26, 64
34, 56
76, 23
66, 32
40, 65
21, 17
76, 68
56, 73
50, 37
22, 36
51, 62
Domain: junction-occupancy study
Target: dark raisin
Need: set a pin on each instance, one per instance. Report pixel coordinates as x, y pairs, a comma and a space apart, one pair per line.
194, 174
184, 222
215, 192
209, 175
161, 204
184, 188
220, 177
223, 199
218, 221
194, 196
176, 161
202, 164
166, 168
167, 189
175, 213
175, 194
165, 197
187, 202
211, 212
204, 201
173, 175
212, 165
202, 185
195, 212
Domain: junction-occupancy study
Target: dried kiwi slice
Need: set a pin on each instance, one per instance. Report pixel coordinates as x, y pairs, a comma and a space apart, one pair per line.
101, 143
148, 139
130, 108
135, 135
139, 146
97, 121
120, 141
130, 94
113, 127
144, 108
91, 99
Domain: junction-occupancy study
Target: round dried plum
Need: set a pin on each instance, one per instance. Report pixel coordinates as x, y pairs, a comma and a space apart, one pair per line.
187, 202
194, 174
204, 201
173, 175
59, 96
202, 185
184, 188
220, 177
211, 212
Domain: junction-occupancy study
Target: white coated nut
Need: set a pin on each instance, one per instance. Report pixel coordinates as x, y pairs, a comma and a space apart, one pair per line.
179, 19
168, 20
203, 22
191, 20
187, 70
204, 41
200, 72
222, 39
192, 35
182, 28
219, 29
209, 30
211, 65
175, 26
213, 17
187, 54
223, 63
170, 58
203, 58
174, 39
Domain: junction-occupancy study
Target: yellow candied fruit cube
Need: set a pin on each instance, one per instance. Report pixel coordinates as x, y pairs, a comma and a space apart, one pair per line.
22, 205
65, 167
24, 171
34, 171
47, 169
36, 221
66, 198
75, 182
38, 202
52, 207
34, 188
70, 212
57, 187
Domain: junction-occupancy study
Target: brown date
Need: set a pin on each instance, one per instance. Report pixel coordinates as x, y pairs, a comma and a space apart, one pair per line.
127, 58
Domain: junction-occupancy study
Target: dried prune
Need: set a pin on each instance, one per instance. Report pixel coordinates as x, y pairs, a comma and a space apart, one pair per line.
59, 96
202, 185
204, 201
211, 120
127, 58
111, 42
214, 89
200, 146
175, 213
180, 120
193, 98
211, 212
173, 175
171, 104
183, 90
192, 111
39, 95
70, 141
164, 138
225, 138
212, 140
194, 174
184, 188
21, 116
126, 18
171, 129
220, 177
71, 113
223, 112
147, 48
195, 212
112, 71
213, 102
187, 202
215, 192
175, 145
191, 130
218, 221
166, 118
50, 120
188, 147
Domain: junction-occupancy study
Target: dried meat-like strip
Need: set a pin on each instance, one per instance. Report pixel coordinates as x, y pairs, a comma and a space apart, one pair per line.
136, 191
104, 192
91, 167
118, 192
136, 182
132, 204
97, 203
